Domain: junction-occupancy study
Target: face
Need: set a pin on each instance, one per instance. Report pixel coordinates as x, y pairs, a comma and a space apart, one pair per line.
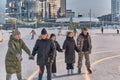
44, 36
70, 35
85, 32
17, 37
54, 38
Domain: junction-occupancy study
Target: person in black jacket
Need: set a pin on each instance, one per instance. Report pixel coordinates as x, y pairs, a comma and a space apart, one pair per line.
53, 38
69, 47
45, 50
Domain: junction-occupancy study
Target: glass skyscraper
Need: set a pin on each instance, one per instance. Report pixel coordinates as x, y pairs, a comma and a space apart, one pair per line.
115, 10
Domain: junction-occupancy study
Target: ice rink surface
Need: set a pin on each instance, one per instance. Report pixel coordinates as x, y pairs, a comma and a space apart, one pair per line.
105, 57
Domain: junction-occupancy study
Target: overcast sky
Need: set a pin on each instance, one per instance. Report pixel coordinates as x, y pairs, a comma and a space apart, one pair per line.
98, 7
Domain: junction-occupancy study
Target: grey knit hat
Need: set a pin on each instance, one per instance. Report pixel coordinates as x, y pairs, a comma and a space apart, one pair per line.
16, 32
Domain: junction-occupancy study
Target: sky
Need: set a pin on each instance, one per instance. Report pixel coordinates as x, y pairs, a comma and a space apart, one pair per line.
98, 7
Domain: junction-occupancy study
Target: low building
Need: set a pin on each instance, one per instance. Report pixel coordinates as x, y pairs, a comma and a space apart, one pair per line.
70, 13
107, 17
78, 20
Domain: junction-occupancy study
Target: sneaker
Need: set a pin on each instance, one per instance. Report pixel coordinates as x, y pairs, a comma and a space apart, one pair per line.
89, 71
72, 71
79, 71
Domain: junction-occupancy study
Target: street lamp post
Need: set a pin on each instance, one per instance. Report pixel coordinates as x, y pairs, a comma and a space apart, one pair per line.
20, 10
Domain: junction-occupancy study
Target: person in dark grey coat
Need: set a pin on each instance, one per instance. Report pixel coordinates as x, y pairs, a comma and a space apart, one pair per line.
70, 47
53, 38
45, 50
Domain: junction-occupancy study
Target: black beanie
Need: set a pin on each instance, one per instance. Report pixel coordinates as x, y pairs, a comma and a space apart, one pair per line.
44, 31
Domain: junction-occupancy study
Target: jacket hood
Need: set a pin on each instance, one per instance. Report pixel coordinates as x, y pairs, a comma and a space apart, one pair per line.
12, 38
70, 38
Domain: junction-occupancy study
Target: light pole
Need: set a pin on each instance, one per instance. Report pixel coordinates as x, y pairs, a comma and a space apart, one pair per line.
20, 4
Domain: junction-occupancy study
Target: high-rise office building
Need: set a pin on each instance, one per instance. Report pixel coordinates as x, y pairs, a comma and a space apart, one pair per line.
57, 8
63, 8
21, 8
115, 10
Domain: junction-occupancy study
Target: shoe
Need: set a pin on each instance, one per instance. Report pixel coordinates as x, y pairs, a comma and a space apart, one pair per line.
89, 71
72, 71
79, 71
68, 72
54, 75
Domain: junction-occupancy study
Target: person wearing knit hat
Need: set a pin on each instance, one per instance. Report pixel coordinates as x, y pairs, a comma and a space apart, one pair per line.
45, 50
13, 57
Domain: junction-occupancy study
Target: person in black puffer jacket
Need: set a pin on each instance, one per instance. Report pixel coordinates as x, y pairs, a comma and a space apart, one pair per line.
53, 38
70, 47
45, 50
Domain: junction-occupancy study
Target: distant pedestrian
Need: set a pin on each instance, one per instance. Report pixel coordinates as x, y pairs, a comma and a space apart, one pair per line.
14, 55
59, 32
118, 31
33, 34
57, 48
70, 47
45, 50
102, 30
85, 46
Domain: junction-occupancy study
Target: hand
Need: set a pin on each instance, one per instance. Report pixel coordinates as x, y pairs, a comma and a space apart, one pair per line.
63, 51
19, 57
89, 51
31, 57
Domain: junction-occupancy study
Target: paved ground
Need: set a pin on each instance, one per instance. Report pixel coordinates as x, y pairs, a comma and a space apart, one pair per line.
105, 60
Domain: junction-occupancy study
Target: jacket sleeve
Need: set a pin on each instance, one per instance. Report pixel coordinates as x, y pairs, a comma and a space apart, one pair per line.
58, 47
35, 49
76, 48
78, 40
64, 45
90, 43
25, 48
52, 51
11, 47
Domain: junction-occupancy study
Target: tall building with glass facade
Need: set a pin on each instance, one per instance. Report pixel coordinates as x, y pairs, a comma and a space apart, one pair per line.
115, 10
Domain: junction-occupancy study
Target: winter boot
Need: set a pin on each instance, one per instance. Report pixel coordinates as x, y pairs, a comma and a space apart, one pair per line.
68, 72
89, 70
79, 71
19, 76
72, 71
8, 76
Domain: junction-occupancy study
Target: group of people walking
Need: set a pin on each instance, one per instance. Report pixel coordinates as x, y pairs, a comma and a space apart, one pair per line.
46, 50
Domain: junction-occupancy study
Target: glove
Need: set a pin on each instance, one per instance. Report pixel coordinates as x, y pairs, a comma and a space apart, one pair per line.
19, 57
31, 57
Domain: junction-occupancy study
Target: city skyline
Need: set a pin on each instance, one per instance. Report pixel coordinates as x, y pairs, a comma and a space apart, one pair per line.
79, 6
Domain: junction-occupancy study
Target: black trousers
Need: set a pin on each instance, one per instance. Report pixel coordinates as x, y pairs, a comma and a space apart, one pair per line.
49, 70
70, 66
54, 70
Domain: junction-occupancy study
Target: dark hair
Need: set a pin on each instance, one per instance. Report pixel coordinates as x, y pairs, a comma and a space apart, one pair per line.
68, 33
52, 35
85, 29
